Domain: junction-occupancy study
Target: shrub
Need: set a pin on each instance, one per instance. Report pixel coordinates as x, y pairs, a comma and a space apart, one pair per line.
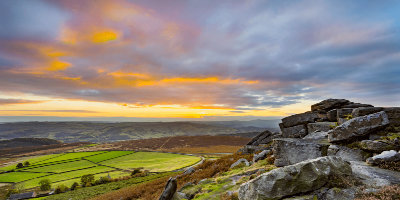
74, 185
45, 184
87, 179
61, 189
102, 180
136, 171
26, 163
20, 165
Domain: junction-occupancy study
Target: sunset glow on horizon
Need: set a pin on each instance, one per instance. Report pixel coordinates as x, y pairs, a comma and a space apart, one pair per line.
194, 59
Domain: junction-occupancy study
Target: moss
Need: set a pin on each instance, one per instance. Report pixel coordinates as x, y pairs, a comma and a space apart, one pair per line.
356, 145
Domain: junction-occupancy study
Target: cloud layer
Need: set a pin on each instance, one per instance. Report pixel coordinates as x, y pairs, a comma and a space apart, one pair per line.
243, 55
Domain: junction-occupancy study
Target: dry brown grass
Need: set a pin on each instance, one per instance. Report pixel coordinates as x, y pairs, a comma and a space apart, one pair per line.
391, 192
152, 190
395, 166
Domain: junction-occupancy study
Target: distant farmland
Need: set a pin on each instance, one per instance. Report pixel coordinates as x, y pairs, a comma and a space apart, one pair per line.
67, 168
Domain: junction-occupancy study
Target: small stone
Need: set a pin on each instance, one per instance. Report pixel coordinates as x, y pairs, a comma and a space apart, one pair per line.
260, 156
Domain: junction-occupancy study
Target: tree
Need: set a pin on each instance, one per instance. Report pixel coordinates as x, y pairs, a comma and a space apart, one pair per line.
45, 184
74, 185
26, 163
87, 179
20, 165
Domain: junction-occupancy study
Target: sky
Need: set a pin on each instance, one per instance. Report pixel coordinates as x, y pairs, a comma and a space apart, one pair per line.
183, 59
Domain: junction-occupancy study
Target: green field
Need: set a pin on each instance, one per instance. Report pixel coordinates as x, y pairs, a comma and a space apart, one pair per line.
19, 176
107, 156
67, 168
153, 161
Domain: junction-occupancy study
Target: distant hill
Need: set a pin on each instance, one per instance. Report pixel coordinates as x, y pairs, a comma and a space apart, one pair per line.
27, 142
108, 132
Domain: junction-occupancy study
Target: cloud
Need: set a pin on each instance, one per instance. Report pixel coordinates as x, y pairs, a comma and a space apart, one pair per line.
59, 111
250, 55
17, 101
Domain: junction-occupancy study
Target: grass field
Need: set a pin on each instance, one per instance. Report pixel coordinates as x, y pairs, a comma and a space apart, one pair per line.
19, 176
107, 156
62, 167
67, 168
153, 161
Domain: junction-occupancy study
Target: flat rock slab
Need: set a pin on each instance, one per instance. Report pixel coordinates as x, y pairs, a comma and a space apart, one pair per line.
359, 126
329, 104
288, 151
298, 119
374, 176
362, 111
294, 179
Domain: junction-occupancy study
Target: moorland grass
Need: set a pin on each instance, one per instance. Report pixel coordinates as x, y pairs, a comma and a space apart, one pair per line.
152, 161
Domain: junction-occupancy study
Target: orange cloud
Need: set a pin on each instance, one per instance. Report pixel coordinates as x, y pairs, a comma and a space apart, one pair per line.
58, 65
105, 36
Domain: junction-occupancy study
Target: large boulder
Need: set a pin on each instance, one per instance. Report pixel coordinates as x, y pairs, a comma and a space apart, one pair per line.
298, 119
365, 111
394, 115
346, 153
360, 126
386, 156
320, 126
329, 104
294, 179
294, 131
288, 151
169, 190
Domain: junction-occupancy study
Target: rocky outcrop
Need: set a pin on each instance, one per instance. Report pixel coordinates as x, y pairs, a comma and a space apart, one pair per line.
240, 161
359, 126
169, 190
288, 151
261, 156
386, 156
320, 126
329, 104
340, 194
294, 179
294, 131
